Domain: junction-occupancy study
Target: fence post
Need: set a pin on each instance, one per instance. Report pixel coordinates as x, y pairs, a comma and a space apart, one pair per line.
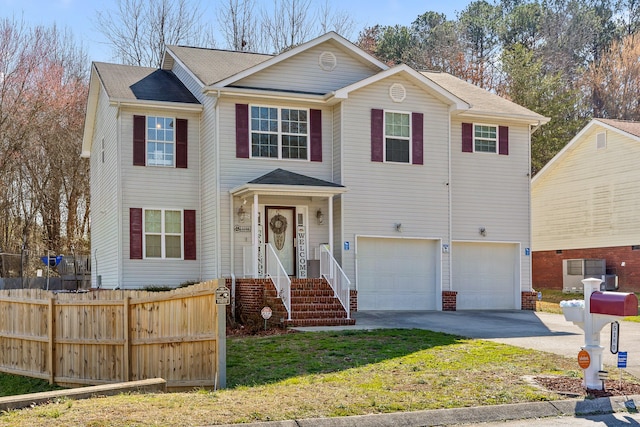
52, 346
127, 342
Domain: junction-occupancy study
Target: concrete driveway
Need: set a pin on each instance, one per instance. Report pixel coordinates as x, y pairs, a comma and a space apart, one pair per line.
528, 329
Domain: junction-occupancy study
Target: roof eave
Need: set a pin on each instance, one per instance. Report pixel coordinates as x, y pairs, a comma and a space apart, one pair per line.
269, 94
528, 118
92, 108
247, 190
182, 106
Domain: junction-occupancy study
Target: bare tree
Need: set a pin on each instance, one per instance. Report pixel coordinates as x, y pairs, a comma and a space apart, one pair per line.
288, 25
239, 25
335, 20
139, 30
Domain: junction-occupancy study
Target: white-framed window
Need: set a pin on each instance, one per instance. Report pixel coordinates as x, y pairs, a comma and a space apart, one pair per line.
485, 138
279, 133
397, 136
160, 141
163, 233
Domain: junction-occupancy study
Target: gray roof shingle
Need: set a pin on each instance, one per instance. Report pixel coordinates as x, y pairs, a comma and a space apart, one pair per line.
284, 177
624, 125
213, 65
481, 100
142, 83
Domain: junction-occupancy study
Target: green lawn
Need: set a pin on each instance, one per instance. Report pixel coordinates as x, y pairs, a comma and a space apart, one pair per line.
306, 375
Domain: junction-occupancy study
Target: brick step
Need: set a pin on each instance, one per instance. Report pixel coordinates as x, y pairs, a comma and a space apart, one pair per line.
331, 314
303, 294
314, 300
315, 307
320, 322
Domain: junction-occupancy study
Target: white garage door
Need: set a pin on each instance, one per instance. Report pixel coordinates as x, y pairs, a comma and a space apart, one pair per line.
397, 274
486, 275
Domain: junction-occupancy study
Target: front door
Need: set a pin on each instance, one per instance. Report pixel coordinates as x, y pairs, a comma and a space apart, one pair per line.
281, 229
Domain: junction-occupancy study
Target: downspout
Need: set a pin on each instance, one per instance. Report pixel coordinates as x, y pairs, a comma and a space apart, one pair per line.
449, 208
532, 129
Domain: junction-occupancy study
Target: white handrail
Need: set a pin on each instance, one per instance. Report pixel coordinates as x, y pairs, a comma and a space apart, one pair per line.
279, 277
333, 273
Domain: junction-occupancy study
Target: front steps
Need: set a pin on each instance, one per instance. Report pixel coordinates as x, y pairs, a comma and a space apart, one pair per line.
312, 304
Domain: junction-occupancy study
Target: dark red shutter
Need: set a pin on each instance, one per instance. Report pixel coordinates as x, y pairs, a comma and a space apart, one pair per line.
242, 131
181, 143
189, 234
467, 138
135, 233
503, 140
315, 130
139, 137
377, 135
417, 126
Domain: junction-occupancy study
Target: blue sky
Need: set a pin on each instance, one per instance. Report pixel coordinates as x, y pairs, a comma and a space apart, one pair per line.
79, 14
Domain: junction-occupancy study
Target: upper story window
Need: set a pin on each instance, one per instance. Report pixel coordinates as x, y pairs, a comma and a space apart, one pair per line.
397, 137
160, 141
162, 233
481, 138
485, 138
279, 133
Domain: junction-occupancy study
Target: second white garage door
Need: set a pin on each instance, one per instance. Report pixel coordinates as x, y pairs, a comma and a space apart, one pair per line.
485, 275
397, 274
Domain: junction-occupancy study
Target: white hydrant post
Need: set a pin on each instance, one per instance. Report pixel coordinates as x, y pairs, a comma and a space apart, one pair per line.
591, 337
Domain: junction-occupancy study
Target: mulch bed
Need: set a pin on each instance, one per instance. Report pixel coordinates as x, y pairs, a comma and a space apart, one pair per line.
573, 386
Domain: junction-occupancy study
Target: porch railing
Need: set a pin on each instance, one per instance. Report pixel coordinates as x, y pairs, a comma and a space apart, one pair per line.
332, 272
279, 277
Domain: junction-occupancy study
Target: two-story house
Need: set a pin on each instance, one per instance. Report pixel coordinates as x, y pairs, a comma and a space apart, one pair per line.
230, 164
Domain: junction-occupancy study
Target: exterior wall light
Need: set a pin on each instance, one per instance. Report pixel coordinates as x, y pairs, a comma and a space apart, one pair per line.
483, 231
242, 214
320, 216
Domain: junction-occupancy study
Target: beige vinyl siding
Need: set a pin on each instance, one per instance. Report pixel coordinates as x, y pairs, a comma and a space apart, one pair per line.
209, 242
235, 172
337, 143
104, 197
383, 194
591, 198
159, 188
492, 191
286, 74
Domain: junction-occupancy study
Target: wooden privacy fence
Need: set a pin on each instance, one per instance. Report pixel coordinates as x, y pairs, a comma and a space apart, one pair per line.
111, 336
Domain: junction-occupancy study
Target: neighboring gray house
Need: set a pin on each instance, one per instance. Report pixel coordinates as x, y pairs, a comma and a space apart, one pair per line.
416, 182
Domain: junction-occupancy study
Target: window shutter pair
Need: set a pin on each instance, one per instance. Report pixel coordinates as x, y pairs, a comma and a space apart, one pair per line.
243, 132
139, 141
467, 139
377, 137
135, 234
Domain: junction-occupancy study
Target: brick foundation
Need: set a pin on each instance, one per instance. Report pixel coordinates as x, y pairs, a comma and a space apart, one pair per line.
353, 300
449, 300
528, 300
547, 266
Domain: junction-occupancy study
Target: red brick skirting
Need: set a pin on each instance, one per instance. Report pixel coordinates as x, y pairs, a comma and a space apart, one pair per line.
449, 300
353, 301
547, 266
528, 300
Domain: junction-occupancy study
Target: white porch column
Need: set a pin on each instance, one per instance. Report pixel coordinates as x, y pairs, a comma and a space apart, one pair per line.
254, 234
331, 225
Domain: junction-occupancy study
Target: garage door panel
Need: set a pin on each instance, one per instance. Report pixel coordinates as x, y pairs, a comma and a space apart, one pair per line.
397, 274
485, 275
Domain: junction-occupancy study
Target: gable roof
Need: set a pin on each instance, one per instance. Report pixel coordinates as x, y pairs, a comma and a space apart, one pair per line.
330, 36
212, 65
280, 181
627, 128
438, 90
482, 102
131, 83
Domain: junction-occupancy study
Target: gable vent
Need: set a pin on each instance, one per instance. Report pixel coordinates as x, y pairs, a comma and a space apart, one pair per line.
397, 92
601, 140
327, 61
